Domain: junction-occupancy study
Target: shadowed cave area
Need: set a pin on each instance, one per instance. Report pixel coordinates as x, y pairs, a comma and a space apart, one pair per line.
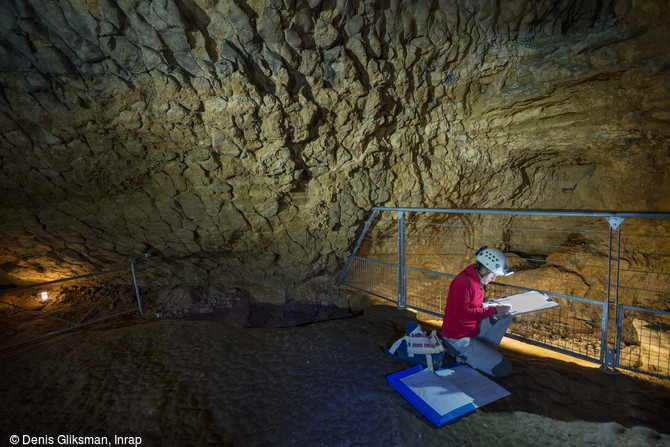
242, 145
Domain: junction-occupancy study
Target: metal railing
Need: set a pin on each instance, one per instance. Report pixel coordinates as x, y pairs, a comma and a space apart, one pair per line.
36, 311
608, 271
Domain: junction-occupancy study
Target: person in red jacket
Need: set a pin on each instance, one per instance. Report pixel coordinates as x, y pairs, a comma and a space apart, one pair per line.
471, 332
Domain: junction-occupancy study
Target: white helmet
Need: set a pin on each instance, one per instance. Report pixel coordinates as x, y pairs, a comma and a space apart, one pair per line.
494, 260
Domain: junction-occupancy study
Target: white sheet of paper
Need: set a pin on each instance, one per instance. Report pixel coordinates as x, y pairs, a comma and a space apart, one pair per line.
481, 389
441, 393
525, 302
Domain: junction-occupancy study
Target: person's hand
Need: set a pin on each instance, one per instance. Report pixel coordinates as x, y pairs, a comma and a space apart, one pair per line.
503, 309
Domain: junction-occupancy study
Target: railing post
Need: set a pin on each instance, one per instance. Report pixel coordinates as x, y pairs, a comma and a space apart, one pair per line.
609, 355
619, 333
402, 272
137, 290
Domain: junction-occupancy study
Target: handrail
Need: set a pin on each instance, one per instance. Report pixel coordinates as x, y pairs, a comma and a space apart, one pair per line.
528, 212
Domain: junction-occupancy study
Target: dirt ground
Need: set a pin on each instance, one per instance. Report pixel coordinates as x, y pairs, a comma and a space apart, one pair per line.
203, 382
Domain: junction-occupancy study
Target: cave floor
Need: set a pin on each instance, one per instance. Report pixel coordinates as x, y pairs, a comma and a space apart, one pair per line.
202, 382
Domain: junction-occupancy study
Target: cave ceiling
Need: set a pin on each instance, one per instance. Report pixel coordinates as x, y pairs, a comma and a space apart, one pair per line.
244, 142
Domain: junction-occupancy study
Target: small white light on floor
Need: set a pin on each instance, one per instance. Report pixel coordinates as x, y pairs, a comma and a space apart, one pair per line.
44, 296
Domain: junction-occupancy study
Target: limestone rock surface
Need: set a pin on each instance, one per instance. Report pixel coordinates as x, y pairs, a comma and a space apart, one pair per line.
242, 143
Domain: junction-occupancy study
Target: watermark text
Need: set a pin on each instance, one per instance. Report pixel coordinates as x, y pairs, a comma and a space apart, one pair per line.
74, 440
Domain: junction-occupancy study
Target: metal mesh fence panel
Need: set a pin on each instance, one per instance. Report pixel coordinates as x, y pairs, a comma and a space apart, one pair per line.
644, 341
574, 327
374, 277
427, 291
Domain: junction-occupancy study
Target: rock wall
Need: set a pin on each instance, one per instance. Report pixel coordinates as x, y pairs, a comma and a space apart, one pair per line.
243, 143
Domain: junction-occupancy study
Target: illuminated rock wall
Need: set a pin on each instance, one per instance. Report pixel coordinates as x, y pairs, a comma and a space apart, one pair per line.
243, 143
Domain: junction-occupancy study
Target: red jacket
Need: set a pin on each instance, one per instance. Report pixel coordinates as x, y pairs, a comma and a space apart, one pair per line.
464, 308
